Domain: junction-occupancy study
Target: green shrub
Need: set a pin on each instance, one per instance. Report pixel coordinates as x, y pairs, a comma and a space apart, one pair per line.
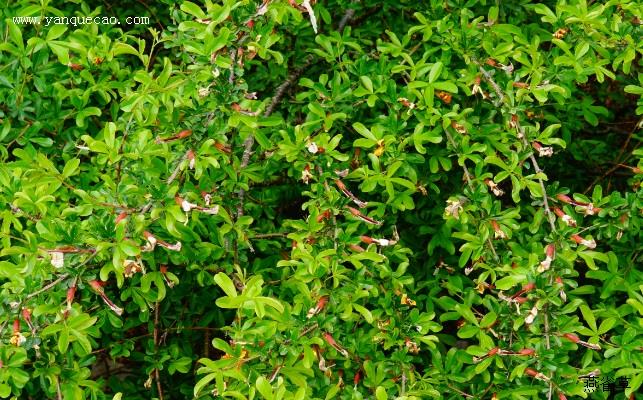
321, 200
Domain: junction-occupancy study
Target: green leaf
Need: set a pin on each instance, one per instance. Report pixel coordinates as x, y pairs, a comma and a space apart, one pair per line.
84, 113
264, 388
368, 316
488, 320
122, 48
435, 72
510, 281
5, 390
634, 89
226, 284
274, 303
446, 86
203, 382
466, 313
380, 393
368, 84
63, 340
606, 325
588, 316
192, 9
71, 167
362, 130
56, 31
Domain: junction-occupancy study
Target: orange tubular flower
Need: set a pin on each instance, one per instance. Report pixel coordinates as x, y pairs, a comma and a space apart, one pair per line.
332, 343
535, 374
366, 239
98, 287
568, 220
71, 293
26, 315
321, 303
17, 338
181, 135
591, 244
120, 217
542, 150
222, 147
363, 217
498, 233
347, 193
191, 158
323, 216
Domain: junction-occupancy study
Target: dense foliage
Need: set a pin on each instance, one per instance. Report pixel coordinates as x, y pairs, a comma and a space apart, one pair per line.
321, 200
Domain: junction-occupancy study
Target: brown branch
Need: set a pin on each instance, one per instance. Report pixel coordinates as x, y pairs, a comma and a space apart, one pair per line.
494, 85
276, 99
269, 235
59, 393
550, 216
157, 377
350, 13
523, 139
403, 383
618, 158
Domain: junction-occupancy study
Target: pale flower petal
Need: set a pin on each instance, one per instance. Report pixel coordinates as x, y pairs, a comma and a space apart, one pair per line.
57, 259
187, 206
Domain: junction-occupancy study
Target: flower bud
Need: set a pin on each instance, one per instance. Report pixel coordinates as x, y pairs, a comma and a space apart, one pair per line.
585, 242
71, 293
565, 199
527, 352
571, 337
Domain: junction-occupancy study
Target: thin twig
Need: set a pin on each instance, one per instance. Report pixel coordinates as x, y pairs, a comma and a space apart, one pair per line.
486, 390
233, 56
120, 148
177, 169
523, 139
467, 395
470, 184
47, 287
